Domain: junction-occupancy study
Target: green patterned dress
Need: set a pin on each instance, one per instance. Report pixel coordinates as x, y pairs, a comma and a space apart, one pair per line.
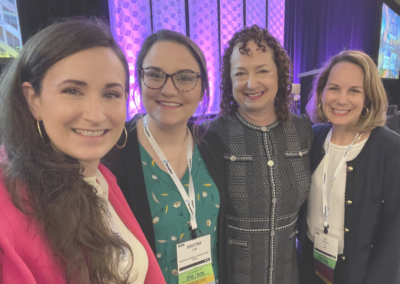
170, 215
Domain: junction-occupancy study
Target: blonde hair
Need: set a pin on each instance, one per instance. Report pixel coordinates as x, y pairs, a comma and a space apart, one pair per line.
375, 95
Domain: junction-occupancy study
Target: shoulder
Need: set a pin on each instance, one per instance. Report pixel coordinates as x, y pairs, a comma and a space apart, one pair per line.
220, 122
386, 140
210, 137
302, 120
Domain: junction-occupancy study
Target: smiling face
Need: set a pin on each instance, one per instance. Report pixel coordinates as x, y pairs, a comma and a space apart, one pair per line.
343, 97
169, 106
82, 104
254, 79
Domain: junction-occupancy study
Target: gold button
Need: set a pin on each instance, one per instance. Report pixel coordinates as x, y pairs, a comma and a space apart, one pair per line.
372, 246
301, 154
233, 158
263, 129
349, 202
349, 169
270, 163
343, 257
346, 230
383, 201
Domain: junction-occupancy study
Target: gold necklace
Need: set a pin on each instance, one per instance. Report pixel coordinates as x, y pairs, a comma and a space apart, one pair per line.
358, 138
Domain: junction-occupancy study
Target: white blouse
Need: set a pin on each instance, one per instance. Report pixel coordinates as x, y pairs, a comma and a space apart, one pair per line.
140, 259
315, 218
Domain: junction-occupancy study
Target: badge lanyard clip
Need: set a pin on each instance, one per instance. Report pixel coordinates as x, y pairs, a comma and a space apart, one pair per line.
189, 200
326, 192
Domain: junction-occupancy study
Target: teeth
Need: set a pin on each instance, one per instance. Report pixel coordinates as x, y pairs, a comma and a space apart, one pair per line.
170, 104
89, 133
340, 111
255, 95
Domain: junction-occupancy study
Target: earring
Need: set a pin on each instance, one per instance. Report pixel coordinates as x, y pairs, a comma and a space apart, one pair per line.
40, 132
320, 107
126, 139
364, 116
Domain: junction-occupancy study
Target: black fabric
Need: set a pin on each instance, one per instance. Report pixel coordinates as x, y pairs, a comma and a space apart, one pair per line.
127, 167
371, 246
315, 30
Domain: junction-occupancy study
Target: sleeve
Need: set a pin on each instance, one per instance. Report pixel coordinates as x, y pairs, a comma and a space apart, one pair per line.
384, 266
12, 267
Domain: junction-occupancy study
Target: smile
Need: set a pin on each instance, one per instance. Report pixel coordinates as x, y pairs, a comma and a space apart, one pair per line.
340, 112
169, 104
89, 133
254, 96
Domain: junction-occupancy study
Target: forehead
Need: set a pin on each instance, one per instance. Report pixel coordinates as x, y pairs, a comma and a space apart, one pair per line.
256, 56
346, 73
170, 57
94, 65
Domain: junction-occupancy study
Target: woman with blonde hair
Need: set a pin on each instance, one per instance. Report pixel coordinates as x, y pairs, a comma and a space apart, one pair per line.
351, 221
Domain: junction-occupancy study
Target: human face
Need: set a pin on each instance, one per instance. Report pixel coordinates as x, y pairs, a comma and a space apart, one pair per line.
169, 106
254, 79
82, 104
343, 97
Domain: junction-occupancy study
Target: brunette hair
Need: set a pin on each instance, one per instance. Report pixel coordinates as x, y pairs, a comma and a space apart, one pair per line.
48, 185
167, 35
281, 60
375, 95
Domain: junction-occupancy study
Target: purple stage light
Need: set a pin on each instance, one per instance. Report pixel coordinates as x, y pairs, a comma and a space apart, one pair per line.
231, 17
203, 16
276, 19
169, 15
256, 13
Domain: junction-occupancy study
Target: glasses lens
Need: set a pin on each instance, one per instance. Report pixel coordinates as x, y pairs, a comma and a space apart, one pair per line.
153, 78
185, 81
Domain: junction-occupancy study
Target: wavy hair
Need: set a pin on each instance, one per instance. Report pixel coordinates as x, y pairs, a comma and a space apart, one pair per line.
375, 95
48, 185
264, 40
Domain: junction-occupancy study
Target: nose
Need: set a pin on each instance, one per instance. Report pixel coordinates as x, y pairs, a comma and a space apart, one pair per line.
252, 82
169, 89
342, 98
93, 110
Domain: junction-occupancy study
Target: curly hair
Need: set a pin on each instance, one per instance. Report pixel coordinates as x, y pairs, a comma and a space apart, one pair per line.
45, 184
282, 61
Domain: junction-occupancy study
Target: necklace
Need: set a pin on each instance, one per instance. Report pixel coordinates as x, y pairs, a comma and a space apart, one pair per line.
183, 148
358, 138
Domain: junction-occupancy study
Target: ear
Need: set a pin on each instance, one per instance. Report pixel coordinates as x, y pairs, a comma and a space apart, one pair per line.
126, 96
32, 99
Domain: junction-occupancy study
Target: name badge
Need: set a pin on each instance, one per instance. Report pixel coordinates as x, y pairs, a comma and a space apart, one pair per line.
194, 261
326, 248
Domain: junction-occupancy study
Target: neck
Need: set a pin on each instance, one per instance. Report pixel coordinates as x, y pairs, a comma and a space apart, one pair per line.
89, 168
168, 136
341, 135
259, 118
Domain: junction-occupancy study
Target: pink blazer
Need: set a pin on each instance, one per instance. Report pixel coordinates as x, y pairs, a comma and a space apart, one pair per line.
25, 255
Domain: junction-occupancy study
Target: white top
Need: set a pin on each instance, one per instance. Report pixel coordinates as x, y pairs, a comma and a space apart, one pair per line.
315, 218
140, 259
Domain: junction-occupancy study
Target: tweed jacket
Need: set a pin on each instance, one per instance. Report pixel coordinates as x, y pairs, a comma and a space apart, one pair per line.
126, 165
372, 213
267, 178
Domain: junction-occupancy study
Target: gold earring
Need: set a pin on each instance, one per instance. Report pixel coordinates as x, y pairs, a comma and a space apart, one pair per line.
40, 132
320, 107
364, 116
126, 139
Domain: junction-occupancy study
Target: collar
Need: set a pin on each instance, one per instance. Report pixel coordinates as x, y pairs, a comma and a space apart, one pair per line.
256, 127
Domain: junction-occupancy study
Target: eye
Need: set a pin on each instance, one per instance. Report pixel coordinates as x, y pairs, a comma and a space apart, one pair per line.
111, 95
239, 74
355, 91
333, 88
72, 91
264, 71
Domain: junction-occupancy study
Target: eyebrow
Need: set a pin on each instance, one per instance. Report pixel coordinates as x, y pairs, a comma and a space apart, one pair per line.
336, 85
83, 83
258, 66
159, 69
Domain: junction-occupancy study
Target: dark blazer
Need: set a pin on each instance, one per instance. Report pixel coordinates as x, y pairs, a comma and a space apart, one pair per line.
127, 167
372, 211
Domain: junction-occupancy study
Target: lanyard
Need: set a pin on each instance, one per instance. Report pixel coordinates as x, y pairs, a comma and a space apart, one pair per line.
189, 199
326, 192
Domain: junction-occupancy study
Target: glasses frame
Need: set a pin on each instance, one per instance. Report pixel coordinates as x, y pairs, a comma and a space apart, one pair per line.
198, 75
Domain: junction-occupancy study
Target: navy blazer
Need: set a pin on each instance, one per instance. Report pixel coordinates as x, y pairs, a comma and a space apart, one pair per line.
126, 165
372, 210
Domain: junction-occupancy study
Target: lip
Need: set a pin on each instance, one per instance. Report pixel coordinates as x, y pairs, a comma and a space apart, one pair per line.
341, 113
90, 132
162, 104
255, 97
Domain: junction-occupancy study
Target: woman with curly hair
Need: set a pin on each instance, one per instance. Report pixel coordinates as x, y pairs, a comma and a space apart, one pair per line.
63, 218
265, 158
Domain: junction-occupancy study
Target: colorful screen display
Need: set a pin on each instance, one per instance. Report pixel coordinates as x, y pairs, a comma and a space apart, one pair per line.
10, 31
389, 48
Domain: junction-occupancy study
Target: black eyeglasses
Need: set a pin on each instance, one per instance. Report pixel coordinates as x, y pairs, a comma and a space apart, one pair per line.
155, 79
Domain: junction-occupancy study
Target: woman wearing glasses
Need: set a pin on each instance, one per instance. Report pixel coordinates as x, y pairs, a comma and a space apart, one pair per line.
171, 170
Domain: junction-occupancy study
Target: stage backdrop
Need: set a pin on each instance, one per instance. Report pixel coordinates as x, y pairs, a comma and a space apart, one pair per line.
209, 23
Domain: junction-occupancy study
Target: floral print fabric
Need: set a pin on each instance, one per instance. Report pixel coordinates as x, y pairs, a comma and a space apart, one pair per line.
170, 215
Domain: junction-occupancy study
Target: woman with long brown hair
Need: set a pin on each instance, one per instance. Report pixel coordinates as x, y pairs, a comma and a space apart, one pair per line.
63, 218
265, 158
